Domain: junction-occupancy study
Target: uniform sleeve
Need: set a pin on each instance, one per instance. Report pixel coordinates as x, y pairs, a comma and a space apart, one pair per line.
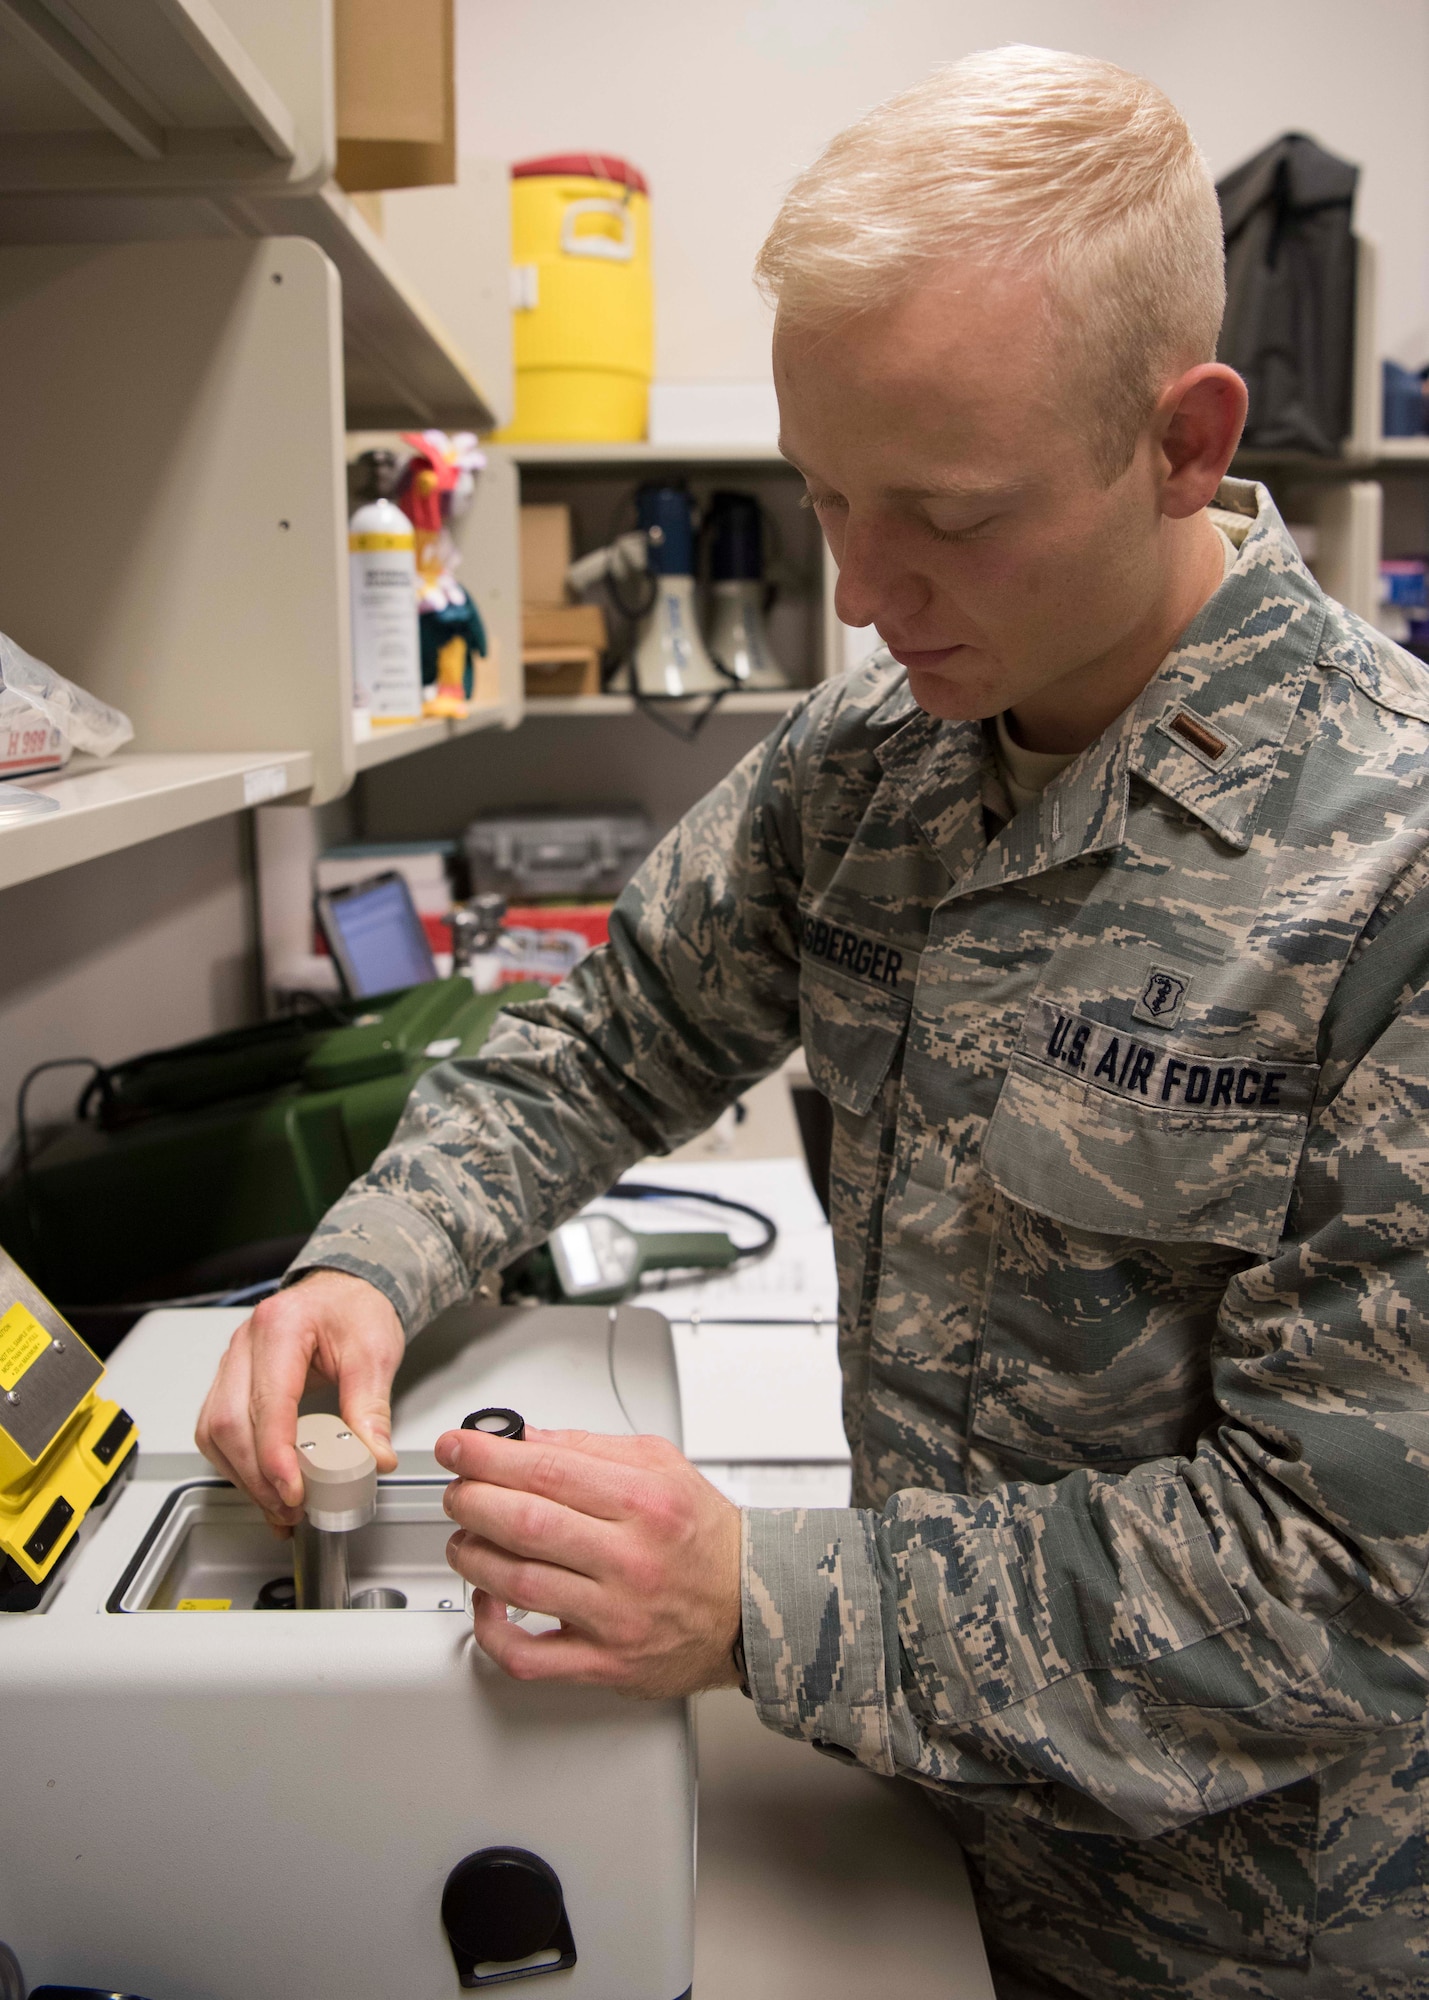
694, 999
1122, 1654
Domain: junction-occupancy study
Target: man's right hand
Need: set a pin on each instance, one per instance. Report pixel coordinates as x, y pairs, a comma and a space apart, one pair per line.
338, 1326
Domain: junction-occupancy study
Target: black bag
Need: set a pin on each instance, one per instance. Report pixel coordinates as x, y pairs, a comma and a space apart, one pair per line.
1290, 294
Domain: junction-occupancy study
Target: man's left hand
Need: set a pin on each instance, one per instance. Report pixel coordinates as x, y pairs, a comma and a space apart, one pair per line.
620, 1538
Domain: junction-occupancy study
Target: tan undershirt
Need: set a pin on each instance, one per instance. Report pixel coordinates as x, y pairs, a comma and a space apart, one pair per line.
1026, 774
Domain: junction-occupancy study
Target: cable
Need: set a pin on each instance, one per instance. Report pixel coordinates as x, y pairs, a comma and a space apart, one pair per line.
22, 1137
649, 1191
651, 705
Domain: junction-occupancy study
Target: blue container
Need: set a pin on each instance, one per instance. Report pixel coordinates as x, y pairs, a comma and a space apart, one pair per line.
667, 515
1403, 402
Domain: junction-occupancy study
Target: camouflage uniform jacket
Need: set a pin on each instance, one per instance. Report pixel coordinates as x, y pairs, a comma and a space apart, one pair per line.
1131, 1199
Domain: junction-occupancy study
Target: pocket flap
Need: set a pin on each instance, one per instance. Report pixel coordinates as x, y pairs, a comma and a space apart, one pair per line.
850, 1033
1151, 1140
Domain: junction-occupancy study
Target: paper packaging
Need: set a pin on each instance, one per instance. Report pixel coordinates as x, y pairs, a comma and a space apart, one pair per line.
44, 718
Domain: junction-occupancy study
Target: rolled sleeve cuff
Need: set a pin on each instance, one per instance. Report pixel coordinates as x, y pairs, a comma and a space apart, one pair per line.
394, 1247
813, 1629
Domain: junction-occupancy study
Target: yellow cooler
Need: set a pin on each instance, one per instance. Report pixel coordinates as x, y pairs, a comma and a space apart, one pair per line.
584, 309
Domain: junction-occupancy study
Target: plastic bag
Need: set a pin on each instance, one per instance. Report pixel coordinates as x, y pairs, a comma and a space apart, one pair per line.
44, 717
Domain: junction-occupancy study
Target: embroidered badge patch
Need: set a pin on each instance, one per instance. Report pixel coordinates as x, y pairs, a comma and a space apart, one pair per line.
1162, 997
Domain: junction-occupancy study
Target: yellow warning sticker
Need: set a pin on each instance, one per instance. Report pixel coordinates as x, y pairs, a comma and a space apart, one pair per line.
22, 1341
361, 545
205, 1604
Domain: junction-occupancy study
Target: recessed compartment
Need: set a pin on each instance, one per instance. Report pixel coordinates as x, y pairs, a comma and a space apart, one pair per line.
210, 1548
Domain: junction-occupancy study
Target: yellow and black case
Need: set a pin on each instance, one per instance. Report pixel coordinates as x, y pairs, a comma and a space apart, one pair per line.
62, 1446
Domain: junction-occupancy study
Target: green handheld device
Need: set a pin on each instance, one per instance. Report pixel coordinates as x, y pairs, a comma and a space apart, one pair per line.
599, 1261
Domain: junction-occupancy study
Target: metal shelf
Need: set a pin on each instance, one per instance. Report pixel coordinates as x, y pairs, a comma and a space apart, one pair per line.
648, 454
105, 806
405, 739
165, 94
401, 367
774, 701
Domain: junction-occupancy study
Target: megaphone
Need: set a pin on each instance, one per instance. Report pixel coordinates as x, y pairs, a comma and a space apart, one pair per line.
670, 656
738, 638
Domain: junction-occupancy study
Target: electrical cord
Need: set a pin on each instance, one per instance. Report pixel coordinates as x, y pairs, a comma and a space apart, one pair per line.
650, 1191
99, 1078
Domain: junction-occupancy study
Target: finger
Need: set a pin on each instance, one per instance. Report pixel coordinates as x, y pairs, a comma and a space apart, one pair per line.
364, 1396
574, 1478
638, 1450
531, 1656
533, 1586
225, 1426
525, 1524
282, 1350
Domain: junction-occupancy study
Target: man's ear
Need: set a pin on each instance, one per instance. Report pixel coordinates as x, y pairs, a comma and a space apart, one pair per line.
1197, 423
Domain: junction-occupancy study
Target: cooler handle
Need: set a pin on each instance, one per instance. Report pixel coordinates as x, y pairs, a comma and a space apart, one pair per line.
599, 246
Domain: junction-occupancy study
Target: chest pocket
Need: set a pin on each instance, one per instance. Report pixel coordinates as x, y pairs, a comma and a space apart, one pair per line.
1137, 1177
1110, 1133
851, 1032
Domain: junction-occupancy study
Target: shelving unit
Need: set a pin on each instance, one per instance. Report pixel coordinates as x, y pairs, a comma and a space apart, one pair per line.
596, 481
126, 799
761, 701
174, 511
165, 94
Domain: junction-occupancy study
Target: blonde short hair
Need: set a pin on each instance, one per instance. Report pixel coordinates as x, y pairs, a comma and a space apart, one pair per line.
1021, 159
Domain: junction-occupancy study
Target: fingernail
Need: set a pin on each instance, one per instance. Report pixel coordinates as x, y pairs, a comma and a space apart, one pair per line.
446, 1450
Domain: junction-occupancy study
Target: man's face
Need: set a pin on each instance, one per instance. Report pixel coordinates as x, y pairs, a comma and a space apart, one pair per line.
950, 472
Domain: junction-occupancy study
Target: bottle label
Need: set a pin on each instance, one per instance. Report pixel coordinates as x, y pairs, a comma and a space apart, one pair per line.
386, 647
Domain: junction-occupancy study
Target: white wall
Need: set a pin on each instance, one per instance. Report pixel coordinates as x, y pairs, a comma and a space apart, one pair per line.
721, 103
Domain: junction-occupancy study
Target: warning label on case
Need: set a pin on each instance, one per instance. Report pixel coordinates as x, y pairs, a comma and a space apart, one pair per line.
22, 1341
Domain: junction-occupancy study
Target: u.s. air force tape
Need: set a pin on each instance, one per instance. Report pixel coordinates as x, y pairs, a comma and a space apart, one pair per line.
1160, 1073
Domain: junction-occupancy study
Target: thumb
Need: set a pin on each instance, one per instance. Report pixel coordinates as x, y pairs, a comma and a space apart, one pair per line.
364, 1394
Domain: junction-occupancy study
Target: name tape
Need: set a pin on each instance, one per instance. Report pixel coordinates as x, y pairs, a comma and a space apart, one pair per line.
1152, 1073
865, 957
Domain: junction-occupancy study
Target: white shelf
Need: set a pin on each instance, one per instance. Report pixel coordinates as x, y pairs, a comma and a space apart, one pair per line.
649, 454
405, 739
763, 702
401, 739
1404, 451
165, 94
133, 797
402, 368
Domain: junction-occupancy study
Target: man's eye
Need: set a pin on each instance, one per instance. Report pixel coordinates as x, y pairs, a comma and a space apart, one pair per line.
969, 534
819, 501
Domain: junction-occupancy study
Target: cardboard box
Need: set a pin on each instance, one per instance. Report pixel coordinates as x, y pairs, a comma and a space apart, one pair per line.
580, 625
560, 670
545, 554
396, 93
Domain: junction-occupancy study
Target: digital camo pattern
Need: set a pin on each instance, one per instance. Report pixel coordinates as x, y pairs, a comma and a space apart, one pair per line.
1131, 1188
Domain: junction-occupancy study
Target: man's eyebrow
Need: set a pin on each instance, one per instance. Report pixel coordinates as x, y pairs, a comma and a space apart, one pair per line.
970, 490
966, 490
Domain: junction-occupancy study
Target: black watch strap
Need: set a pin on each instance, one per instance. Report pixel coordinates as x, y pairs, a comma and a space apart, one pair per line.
741, 1665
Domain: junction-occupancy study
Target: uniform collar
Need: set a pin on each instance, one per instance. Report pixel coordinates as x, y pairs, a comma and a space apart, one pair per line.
1206, 731
1235, 679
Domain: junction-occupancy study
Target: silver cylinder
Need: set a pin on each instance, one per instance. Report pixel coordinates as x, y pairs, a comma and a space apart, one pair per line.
320, 1569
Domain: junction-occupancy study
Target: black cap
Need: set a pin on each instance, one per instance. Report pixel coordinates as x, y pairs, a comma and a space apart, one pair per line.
373, 475
496, 1423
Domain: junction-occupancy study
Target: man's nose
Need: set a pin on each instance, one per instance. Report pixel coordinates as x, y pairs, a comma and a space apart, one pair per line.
875, 586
